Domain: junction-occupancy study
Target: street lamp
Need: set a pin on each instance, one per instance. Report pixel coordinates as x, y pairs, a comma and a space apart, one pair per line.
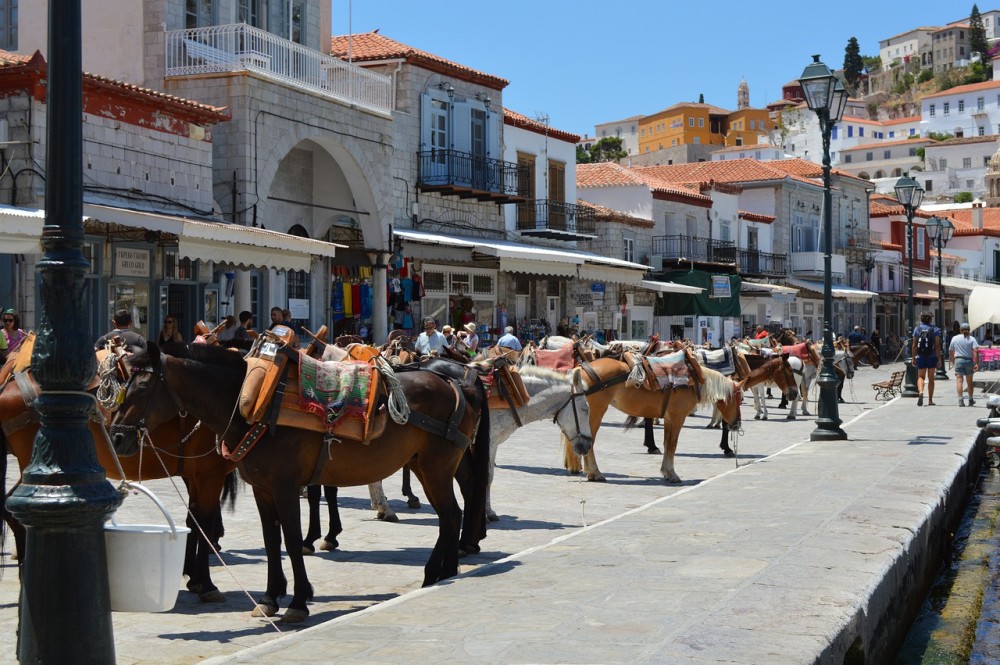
909, 193
826, 96
940, 232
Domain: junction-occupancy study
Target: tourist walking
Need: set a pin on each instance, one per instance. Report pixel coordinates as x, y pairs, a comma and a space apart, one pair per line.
925, 351
122, 321
964, 351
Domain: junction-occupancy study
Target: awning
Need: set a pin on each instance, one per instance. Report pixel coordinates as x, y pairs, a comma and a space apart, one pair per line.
952, 283
840, 291
984, 306
669, 287
21, 230
531, 259
782, 294
242, 246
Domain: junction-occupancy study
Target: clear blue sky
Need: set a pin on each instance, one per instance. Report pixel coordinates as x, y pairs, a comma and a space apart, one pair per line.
583, 62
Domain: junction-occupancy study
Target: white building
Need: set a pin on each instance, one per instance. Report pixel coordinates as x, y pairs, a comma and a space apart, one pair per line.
962, 111
627, 130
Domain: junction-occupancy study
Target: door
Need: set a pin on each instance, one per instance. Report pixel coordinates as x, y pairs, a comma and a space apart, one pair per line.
134, 297
526, 211
520, 309
557, 195
434, 165
552, 311
477, 144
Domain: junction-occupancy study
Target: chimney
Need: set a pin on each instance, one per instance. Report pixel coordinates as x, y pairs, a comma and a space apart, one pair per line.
977, 214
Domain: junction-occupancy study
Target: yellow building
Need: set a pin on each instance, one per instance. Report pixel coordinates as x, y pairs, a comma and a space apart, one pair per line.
704, 124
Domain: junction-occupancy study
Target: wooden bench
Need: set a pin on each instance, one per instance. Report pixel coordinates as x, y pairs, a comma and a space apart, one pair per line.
890, 388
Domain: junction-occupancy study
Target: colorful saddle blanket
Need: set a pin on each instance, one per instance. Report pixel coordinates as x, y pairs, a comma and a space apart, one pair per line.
800, 351
333, 390
560, 360
760, 343
721, 360
659, 372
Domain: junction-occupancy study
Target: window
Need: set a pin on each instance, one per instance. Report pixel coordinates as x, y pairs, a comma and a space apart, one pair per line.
887, 154
943, 162
945, 107
982, 131
968, 184
913, 152
869, 156
629, 249
198, 14
850, 131
697, 140
931, 109
690, 122
724, 233
847, 159
8, 25
927, 185
980, 104
961, 106
861, 131
752, 127
701, 122
986, 160
642, 132
921, 242
967, 162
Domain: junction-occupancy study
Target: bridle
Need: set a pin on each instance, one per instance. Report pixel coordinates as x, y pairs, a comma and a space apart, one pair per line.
571, 401
161, 379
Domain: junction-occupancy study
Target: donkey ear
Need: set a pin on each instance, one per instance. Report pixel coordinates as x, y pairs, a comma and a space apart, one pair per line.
154, 354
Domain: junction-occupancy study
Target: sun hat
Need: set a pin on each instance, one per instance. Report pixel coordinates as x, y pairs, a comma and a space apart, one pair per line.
470, 326
964, 326
447, 329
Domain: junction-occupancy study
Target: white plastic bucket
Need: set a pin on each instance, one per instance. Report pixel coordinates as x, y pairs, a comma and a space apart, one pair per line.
145, 562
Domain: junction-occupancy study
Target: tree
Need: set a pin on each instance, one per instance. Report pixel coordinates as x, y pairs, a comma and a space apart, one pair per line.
608, 149
963, 197
978, 44
582, 156
854, 64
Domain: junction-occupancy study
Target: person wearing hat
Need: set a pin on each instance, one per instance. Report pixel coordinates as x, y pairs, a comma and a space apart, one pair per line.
855, 337
470, 338
449, 334
964, 351
430, 342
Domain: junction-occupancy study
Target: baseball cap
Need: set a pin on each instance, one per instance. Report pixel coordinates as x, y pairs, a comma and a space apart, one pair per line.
964, 326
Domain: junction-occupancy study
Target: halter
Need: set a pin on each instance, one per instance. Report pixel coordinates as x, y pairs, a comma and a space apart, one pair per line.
576, 415
161, 379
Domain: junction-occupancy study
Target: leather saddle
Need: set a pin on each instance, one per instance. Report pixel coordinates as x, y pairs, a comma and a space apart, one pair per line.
504, 386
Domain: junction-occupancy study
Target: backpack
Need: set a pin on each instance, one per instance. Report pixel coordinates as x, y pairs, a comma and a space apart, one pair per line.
925, 341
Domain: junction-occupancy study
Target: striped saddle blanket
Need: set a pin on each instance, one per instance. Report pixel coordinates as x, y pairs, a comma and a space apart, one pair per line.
721, 360
659, 372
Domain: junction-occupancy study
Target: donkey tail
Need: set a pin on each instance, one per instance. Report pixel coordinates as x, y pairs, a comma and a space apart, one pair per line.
229, 490
477, 457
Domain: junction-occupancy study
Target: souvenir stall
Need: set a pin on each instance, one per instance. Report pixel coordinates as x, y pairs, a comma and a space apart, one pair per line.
451, 295
351, 296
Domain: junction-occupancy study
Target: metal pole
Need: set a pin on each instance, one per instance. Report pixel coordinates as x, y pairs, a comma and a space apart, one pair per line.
827, 416
941, 373
64, 498
910, 378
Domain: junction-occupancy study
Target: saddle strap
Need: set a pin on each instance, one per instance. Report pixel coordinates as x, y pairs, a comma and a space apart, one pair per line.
29, 394
600, 384
250, 439
279, 393
448, 430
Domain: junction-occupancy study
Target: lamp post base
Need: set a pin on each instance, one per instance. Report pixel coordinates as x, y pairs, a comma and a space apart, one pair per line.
827, 413
910, 381
830, 433
941, 374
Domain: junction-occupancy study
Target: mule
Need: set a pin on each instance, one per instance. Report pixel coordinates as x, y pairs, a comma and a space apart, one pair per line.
608, 385
207, 384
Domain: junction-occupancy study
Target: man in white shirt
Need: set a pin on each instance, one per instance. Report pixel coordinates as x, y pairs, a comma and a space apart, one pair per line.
430, 342
964, 350
508, 340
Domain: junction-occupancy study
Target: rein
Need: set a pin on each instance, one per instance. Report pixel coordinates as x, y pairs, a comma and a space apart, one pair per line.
161, 379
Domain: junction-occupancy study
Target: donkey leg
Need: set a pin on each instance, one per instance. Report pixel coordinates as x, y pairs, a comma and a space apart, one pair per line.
443, 561
312, 534
411, 499
286, 508
490, 513
336, 528
380, 504
650, 439
206, 513
724, 443
671, 432
277, 585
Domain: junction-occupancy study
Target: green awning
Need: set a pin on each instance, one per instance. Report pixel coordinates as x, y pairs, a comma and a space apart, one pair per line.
721, 295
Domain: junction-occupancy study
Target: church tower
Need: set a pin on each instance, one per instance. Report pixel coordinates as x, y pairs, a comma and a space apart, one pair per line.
743, 96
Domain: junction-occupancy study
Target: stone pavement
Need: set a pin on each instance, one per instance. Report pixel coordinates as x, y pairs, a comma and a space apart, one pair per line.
774, 560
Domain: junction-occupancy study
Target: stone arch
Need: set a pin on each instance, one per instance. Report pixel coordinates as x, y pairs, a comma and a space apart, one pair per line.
353, 157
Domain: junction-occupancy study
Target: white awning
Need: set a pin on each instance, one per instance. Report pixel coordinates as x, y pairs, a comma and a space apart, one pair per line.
781, 294
848, 293
21, 230
953, 283
242, 246
984, 305
531, 259
669, 287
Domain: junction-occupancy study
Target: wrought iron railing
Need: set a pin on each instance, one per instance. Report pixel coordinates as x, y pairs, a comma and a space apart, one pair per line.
438, 168
692, 248
545, 215
755, 262
240, 47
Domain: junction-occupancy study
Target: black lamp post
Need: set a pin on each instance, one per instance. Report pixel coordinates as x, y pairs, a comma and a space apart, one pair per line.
64, 499
826, 96
940, 232
909, 193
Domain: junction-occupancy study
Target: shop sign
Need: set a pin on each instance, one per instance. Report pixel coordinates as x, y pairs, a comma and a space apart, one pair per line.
299, 307
721, 287
597, 288
584, 300
131, 262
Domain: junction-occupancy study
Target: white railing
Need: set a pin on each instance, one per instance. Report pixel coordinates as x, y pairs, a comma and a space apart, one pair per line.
240, 47
812, 263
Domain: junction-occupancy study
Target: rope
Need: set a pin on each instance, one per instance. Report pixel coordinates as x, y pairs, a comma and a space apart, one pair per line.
399, 409
110, 387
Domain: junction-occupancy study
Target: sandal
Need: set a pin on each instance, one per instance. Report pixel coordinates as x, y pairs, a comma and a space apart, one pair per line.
929, 403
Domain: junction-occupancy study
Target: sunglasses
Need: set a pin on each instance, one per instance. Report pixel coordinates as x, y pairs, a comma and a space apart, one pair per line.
8, 320
169, 321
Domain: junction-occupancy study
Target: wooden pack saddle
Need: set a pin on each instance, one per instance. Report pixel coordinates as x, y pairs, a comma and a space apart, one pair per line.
505, 387
662, 372
283, 386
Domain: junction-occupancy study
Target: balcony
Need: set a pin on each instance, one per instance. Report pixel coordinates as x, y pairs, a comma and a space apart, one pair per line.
468, 176
556, 220
242, 48
688, 248
757, 263
810, 264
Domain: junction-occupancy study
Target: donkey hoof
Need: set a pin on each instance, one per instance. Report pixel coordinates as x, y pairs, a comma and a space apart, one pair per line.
413, 503
293, 616
756, 417
329, 545
308, 549
597, 478
728, 452
492, 517
790, 416
654, 451
213, 596
264, 610
387, 517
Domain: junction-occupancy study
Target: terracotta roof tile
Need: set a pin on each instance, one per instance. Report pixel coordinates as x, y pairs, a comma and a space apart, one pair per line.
605, 174
725, 171
371, 46
962, 219
961, 89
901, 121
886, 144
515, 119
8, 58
756, 217
616, 216
713, 110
